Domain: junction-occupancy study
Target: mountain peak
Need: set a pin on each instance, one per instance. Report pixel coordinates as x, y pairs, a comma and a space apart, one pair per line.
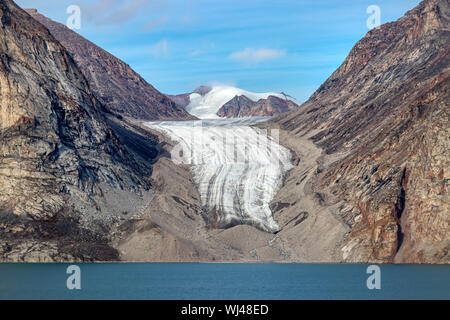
202, 90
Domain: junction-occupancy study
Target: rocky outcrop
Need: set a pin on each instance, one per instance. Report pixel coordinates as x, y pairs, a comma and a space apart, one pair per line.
122, 90
184, 99
65, 174
241, 106
382, 120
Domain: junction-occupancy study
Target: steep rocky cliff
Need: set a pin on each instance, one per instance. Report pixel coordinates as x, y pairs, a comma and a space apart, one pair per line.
382, 120
122, 90
63, 170
241, 106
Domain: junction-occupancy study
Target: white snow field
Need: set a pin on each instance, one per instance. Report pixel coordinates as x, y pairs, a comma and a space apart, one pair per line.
238, 169
206, 106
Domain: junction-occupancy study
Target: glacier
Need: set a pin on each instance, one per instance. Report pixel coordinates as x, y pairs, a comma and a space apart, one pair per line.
206, 106
237, 168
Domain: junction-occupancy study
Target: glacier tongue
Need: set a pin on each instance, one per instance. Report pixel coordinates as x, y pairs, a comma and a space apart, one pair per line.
237, 168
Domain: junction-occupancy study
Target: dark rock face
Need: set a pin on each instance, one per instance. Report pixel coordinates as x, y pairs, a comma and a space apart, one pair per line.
180, 99
234, 107
122, 90
58, 156
202, 90
241, 106
382, 119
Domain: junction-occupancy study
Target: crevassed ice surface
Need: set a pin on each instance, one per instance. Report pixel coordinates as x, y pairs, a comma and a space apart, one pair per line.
206, 106
238, 168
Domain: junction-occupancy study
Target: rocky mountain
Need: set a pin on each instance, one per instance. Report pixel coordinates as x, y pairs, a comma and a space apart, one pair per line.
66, 176
122, 90
382, 121
231, 102
241, 106
370, 181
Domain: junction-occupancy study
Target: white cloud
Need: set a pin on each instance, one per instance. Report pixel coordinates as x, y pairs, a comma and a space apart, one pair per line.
195, 53
160, 49
154, 23
118, 12
111, 12
250, 55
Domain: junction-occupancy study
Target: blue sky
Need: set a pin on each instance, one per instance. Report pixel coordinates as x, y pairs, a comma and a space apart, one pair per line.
257, 45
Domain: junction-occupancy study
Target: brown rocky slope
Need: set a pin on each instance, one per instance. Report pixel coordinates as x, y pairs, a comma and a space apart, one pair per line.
241, 106
122, 90
382, 121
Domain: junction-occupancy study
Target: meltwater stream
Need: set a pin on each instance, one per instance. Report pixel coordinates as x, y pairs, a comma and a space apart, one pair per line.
238, 168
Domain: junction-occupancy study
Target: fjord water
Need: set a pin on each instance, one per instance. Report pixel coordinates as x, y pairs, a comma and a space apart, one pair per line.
223, 281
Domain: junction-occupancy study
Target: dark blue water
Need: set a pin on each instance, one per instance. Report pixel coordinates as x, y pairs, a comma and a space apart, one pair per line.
223, 281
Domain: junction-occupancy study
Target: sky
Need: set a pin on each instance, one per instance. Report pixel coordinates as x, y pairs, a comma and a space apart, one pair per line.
289, 46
